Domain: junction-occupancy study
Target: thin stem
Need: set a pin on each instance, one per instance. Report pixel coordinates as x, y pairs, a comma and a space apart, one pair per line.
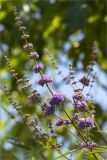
59, 151
69, 130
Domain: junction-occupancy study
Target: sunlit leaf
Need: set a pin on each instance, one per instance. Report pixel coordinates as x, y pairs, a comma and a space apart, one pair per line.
93, 18
53, 26
2, 15
67, 153
33, 158
99, 157
79, 155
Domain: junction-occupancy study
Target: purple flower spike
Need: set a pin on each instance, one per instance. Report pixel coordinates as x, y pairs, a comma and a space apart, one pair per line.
45, 80
59, 122
85, 81
33, 55
90, 122
38, 67
57, 99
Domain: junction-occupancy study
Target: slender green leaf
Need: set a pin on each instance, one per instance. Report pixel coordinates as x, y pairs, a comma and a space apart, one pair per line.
33, 158
99, 157
79, 155
67, 153
103, 132
99, 150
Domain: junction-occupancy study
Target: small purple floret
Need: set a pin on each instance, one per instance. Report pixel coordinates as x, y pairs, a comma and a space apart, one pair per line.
59, 122
82, 123
85, 81
74, 116
78, 97
83, 145
90, 122
57, 99
38, 67
62, 121
66, 122
45, 80
80, 106
92, 144
49, 110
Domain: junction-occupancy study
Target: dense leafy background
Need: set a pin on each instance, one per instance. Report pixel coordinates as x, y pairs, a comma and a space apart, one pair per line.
66, 28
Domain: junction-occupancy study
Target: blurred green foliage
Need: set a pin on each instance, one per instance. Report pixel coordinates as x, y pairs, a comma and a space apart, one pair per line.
54, 25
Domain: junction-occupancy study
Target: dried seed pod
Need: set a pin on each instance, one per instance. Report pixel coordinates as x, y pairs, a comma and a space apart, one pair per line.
19, 23
19, 80
17, 18
25, 36
22, 28
28, 46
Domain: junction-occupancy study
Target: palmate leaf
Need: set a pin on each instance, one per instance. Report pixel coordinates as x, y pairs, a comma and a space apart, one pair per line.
66, 153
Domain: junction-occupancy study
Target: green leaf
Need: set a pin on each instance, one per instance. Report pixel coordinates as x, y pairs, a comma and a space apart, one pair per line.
2, 15
33, 158
103, 132
99, 157
89, 157
67, 153
99, 149
79, 155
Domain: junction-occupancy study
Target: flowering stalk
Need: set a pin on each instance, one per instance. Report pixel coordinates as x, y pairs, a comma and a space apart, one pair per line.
34, 96
31, 123
29, 46
82, 120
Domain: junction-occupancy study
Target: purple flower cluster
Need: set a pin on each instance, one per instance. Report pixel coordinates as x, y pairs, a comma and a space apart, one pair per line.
59, 122
38, 67
57, 99
85, 81
91, 144
80, 105
45, 80
90, 122
49, 107
85, 123
62, 121
78, 97
49, 110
